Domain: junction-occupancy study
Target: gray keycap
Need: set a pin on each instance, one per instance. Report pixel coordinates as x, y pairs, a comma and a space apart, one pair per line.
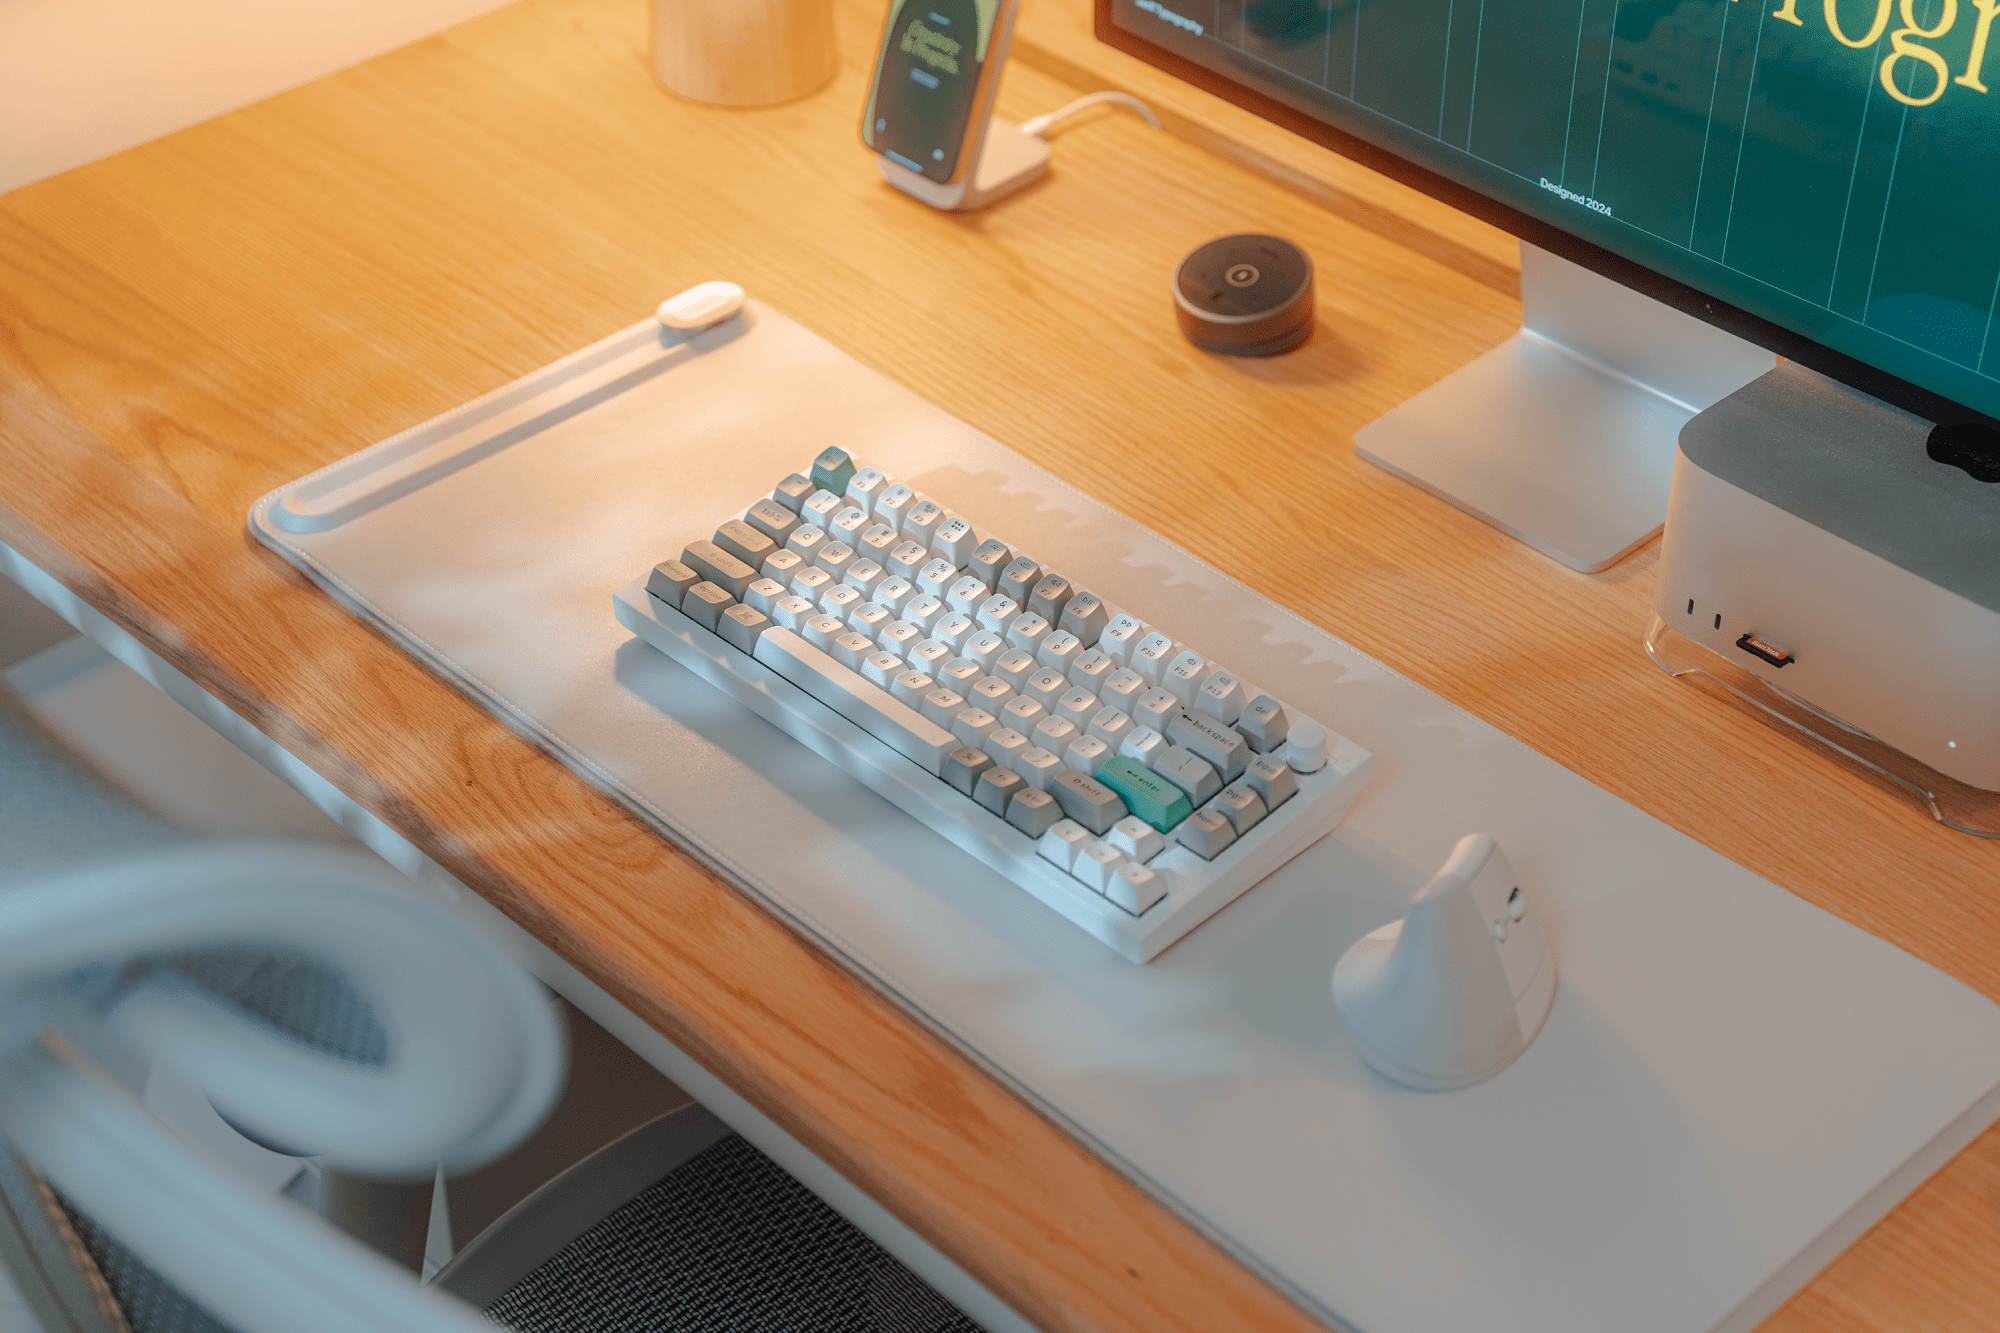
992, 556
746, 543
1219, 744
670, 580
1050, 596
793, 492
1205, 833
1243, 807
740, 626
1263, 724
963, 766
1087, 801
719, 567
1271, 778
772, 519
704, 604
1188, 771
1034, 812
1018, 580
997, 787
1085, 616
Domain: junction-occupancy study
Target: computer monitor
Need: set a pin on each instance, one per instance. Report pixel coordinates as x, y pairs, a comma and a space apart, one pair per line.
1809, 178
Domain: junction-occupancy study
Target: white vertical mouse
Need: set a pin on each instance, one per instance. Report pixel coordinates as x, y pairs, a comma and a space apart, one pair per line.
1453, 992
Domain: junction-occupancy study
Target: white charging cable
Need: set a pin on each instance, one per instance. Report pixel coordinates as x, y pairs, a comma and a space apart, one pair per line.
1040, 125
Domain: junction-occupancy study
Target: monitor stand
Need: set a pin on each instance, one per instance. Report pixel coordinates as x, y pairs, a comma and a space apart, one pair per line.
1563, 436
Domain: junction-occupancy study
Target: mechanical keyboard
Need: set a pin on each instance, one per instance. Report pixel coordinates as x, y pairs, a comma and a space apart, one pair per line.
1125, 779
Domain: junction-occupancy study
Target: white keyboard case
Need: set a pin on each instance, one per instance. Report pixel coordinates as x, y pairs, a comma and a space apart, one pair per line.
1732, 1084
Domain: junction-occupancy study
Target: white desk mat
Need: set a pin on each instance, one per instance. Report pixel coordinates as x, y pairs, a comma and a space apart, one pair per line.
1732, 1085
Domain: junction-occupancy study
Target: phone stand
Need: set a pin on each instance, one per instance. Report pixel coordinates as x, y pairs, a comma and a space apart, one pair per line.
1008, 159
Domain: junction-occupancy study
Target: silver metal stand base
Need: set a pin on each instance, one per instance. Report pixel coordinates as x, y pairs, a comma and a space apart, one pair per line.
1563, 436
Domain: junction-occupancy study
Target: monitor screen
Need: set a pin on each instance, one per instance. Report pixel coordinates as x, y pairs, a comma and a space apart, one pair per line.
1815, 165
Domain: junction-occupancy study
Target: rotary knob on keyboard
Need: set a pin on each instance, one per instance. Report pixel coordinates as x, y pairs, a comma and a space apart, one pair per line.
1305, 747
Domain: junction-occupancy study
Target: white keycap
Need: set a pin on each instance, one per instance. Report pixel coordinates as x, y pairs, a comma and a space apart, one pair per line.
936, 578
1111, 725
865, 575
1135, 839
1222, 697
840, 600
997, 613
895, 593
806, 540
1134, 887
990, 693
955, 541
880, 668
899, 636
942, 705
903, 729
890, 506
921, 523
764, 595
869, 618
909, 686
848, 525
793, 491
907, 559
927, 654
820, 509
822, 629
923, 611
960, 674
966, 595
1022, 713
973, 725
1004, 745
1027, 631
1078, 705
780, 566
864, 486
1185, 676
1123, 688
1045, 685
1038, 767
876, 543
852, 649
810, 583
1151, 656
1143, 744
1059, 650
1094, 864
792, 611
985, 648
1055, 734
954, 628
1015, 666
1091, 670
1155, 709
1120, 637
1061, 843
1087, 754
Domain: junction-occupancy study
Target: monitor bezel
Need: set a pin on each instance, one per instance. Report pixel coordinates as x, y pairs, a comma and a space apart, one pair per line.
1927, 403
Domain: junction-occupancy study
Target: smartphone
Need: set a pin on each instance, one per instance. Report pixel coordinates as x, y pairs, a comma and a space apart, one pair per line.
935, 78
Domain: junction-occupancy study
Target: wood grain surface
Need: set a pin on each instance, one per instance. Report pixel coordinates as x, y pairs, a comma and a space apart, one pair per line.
187, 325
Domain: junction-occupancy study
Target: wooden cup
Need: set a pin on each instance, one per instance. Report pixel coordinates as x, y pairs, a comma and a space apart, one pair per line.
743, 52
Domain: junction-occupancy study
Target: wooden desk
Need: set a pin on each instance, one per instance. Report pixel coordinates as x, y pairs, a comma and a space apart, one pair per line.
185, 326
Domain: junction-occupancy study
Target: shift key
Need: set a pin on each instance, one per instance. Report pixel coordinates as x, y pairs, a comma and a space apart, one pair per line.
719, 567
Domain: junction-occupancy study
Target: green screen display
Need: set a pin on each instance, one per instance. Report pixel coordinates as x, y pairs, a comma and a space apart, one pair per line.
1819, 163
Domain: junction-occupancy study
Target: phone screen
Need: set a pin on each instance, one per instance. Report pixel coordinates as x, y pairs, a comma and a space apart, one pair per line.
926, 80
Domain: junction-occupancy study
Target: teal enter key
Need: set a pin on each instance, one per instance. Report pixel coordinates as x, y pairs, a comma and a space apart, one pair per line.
1146, 794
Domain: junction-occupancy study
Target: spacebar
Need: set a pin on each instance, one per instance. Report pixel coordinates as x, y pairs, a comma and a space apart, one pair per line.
900, 727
